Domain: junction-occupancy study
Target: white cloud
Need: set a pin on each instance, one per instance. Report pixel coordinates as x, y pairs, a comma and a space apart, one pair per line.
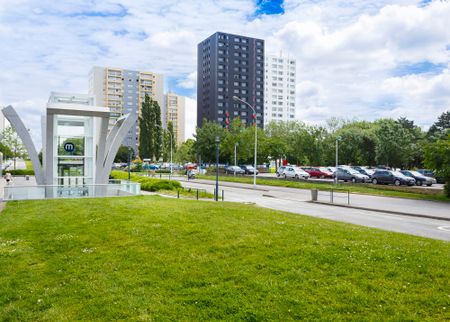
345, 50
189, 82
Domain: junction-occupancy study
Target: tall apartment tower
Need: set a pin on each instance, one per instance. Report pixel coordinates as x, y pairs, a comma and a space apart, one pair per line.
230, 65
279, 89
175, 113
123, 91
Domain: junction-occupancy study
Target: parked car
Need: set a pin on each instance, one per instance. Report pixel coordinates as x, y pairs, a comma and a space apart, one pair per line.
234, 169
280, 171
392, 177
248, 169
349, 174
296, 173
419, 177
332, 170
430, 173
365, 171
318, 172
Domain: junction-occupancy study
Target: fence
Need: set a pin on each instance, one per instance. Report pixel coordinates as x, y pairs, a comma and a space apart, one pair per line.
335, 196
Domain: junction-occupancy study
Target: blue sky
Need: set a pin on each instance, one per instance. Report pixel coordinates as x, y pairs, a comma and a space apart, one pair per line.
361, 59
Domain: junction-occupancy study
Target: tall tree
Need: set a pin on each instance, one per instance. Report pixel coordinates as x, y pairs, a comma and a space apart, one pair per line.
146, 129
168, 135
440, 128
186, 152
158, 131
393, 144
437, 157
205, 136
11, 140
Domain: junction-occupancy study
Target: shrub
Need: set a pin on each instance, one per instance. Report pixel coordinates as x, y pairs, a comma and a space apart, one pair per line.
20, 172
147, 184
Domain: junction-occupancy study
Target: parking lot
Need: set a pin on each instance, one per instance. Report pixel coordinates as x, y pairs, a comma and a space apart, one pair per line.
437, 186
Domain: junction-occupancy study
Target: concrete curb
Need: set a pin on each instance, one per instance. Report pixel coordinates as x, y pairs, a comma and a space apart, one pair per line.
221, 183
381, 210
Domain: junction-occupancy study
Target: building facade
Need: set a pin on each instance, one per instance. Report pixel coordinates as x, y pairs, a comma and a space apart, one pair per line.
230, 65
279, 88
123, 92
175, 112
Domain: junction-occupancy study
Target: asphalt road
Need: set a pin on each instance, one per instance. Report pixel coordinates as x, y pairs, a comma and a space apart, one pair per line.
297, 201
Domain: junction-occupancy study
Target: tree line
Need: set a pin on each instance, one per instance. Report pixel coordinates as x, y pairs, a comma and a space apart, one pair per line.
397, 143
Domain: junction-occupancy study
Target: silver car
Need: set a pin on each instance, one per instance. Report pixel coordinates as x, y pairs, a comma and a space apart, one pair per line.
296, 173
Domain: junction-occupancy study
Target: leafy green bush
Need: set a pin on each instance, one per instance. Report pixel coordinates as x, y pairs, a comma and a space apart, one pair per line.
20, 172
147, 184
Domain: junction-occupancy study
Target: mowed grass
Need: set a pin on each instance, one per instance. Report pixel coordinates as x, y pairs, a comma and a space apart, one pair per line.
154, 258
361, 188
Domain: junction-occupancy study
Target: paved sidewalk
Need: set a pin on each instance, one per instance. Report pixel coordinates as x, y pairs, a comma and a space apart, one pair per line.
18, 181
379, 203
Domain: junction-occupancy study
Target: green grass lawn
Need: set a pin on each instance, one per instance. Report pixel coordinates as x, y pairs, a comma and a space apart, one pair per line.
370, 189
154, 258
29, 165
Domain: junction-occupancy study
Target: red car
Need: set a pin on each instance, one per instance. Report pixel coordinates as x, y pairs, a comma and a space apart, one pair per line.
318, 172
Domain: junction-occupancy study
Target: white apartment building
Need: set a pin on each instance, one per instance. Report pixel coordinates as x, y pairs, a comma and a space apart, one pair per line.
279, 89
123, 92
175, 112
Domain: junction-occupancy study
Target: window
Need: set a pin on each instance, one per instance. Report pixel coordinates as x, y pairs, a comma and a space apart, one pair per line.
219, 111
220, 67
220, 97
236, 39
236, 83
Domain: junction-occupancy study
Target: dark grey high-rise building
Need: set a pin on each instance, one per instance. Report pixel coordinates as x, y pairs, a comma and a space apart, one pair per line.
230, 65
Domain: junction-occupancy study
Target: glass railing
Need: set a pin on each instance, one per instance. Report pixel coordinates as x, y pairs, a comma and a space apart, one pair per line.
116, 188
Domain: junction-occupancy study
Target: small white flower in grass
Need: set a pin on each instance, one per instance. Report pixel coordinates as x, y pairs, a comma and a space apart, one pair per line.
88, 250
39, 301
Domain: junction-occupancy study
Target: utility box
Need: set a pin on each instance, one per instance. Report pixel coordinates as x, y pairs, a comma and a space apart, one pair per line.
314, 194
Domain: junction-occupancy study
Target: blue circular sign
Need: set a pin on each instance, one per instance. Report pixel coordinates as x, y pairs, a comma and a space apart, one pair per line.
69, 147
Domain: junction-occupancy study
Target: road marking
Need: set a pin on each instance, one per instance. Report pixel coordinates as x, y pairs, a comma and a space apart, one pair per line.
444, 228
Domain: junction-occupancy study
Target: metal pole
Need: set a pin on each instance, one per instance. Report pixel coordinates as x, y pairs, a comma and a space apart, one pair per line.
256, 142
170, 154
235, 159
335, 176
217, 170
129, 163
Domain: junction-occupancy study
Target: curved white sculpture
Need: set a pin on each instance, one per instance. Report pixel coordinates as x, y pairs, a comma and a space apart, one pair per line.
15, 121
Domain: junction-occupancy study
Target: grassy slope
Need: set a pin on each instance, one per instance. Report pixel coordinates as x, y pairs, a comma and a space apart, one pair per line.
153, 258
370, 189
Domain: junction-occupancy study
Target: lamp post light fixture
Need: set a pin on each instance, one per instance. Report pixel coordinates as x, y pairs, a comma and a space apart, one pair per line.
216, 195
338, 138
256, 135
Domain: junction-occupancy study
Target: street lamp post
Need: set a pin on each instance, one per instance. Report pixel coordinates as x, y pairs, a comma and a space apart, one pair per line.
129, 162
256, 136
216, 195
338, 138
235, 157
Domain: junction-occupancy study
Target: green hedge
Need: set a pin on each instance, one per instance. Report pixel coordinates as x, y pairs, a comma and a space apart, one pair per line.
148, 184
20, 172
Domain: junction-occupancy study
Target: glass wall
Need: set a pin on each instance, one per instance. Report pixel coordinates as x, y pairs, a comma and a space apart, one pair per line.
74, 150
